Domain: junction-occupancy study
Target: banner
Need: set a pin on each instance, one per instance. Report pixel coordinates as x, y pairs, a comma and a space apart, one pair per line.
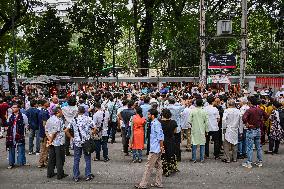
217, 61
218, 79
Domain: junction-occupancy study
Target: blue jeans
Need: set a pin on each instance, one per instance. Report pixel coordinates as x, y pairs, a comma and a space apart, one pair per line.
21, 158
253, 137
202, 151
101, 144
77, 156
32, 135
137, 154
242, 144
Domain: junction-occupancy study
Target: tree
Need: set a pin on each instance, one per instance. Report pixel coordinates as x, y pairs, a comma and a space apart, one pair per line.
18, 12
143, 23
97, 29
49, 46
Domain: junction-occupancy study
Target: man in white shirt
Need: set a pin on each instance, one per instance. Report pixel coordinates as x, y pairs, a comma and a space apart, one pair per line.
231, 126
280, 92
121, 125
100, 119
242, 147
185, 125
214, 118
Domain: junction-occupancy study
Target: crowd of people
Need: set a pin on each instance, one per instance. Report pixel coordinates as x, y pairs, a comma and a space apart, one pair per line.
156, 121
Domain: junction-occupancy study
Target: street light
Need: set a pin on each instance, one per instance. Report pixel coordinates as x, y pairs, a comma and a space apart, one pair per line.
14, 52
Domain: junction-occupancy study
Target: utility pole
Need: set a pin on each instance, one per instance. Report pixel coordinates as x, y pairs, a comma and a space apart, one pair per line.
202, 68
14, 52
243, 58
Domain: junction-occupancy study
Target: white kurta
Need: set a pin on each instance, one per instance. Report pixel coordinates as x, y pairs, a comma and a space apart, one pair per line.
231, 122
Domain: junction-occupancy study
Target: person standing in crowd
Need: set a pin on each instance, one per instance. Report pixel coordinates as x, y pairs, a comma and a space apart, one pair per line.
83, 128
262, 106
125, 116
185, 125
113, 106
121, 126
15, 138
231, 126
214, 118
199, 129
176, 110
100, 119
277, 130
169, 158
145, 108
82, 102
56, 139
54, 103
69, 112
33, 117
253, 119
43, 117
156, 150
218, 104
242, 144
137, 137
4, 106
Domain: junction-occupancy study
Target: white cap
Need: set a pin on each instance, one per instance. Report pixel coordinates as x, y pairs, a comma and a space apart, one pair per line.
262, 93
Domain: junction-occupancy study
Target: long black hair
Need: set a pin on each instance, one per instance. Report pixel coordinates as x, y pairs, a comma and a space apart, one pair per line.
139, 111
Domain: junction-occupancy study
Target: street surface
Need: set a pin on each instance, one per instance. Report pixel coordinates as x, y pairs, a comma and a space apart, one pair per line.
121, 173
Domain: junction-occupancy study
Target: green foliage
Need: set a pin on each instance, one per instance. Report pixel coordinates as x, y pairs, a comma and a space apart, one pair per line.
148, 33
98, 28
49, 46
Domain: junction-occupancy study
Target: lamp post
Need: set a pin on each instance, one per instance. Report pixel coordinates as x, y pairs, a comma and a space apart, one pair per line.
202, 70
14, 53
243, 43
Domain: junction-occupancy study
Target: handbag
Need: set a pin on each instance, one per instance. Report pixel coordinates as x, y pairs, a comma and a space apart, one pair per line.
89, 145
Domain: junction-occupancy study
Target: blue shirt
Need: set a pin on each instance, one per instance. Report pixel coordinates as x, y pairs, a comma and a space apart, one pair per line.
156, 136
32, 114
176, 111
145, 109
42, 116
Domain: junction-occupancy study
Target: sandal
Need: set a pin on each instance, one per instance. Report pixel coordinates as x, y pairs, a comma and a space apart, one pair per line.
140, 187
157, 186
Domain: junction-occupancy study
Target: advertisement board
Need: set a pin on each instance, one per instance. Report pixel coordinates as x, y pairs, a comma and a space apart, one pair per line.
218, 61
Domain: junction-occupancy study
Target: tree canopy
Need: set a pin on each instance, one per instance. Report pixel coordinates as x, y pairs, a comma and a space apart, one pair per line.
160, 34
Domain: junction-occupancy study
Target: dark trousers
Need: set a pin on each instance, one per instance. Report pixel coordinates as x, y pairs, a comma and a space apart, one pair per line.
56, 157
125, 140
215, 137
177, 142
67, 145
112, 128
101, 144
148, 132
273, 145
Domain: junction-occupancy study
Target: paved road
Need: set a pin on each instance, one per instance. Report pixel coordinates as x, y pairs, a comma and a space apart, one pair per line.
122, 174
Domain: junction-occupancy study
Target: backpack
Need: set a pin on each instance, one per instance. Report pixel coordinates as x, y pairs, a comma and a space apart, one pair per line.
281, 117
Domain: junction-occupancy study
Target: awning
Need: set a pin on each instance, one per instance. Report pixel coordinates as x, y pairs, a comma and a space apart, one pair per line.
273, 82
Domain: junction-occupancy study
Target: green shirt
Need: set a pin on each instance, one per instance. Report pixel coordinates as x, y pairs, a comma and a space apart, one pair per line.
199, 121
